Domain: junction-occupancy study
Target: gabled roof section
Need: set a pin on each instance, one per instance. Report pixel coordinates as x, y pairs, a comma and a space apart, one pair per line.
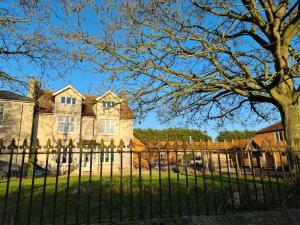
272, 128
125, 111
109, 92
46, 105
66, 88
7, 95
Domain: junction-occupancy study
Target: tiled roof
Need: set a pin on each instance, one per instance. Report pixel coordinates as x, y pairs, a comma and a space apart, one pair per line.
199, 144
274, 127
13, 96
46, 102
46, 105
138, 144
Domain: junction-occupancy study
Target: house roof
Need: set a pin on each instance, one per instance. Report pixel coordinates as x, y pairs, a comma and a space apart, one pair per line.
109, 92
46, 105
138, 144
209, 145
272, 128
13, 96
66, 88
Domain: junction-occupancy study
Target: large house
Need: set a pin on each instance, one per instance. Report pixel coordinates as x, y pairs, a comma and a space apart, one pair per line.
68, 114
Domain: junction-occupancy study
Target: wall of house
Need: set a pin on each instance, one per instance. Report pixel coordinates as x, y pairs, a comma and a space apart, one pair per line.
68, 108
88, 129
17, 122
267, 139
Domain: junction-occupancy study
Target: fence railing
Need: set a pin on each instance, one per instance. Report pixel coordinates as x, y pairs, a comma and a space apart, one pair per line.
105, 182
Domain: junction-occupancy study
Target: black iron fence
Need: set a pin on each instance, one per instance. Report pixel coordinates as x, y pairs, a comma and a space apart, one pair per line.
107, 182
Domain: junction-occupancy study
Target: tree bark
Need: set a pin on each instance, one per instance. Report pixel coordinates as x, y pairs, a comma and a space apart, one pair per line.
291, 124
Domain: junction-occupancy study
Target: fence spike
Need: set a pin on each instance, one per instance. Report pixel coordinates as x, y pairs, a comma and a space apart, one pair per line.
102, 145
121, 145
25, 145
112, 144
36, 145
48, 145
130, 144
59, 143
12, 145
71, 145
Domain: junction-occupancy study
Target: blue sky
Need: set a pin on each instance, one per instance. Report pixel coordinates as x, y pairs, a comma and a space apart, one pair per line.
88, 81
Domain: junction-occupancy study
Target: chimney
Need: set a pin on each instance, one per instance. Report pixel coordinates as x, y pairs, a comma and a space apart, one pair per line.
34, 87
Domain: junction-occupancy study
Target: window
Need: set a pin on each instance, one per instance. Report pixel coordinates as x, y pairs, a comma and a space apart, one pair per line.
107, 127
162, 155
107, 156
67, 156
108, 104
279, 136
68, 100
1, 115
66, 124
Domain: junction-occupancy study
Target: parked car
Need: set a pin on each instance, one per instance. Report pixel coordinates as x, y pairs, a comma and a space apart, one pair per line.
157, 164
197, 162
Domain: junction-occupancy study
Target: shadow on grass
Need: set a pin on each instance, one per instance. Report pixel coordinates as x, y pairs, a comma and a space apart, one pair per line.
182, 196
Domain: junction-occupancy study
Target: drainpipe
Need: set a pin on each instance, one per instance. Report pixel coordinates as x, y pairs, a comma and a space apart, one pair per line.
20, 127
32, 136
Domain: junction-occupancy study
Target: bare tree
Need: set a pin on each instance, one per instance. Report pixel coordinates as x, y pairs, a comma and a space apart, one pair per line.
197, 57
26, 40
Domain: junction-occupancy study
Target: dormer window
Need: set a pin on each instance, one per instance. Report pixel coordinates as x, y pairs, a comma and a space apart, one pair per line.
68, 100
108, 104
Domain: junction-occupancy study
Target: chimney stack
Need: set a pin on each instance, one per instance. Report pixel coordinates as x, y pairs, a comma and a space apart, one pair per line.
34, 87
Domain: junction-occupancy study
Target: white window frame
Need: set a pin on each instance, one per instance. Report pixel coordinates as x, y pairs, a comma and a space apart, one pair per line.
107, 154
108, 127
108, 104
279, 134
2, 121
66, 153
68, 98
72, 100
61, 98
66, 120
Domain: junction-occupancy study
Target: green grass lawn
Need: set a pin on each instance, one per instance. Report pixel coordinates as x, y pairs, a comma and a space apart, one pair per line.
178, 197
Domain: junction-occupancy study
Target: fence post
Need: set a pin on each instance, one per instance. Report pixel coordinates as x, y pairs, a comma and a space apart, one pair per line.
112, 149
24, 147
11, 147
120, 150
275, 160
101, 148
59, 147
264, 159
249, 159
47, 148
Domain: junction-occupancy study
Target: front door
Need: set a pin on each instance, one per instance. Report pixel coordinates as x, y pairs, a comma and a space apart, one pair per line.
86, 162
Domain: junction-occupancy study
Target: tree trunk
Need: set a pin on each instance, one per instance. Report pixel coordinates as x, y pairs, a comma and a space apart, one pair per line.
291, 123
